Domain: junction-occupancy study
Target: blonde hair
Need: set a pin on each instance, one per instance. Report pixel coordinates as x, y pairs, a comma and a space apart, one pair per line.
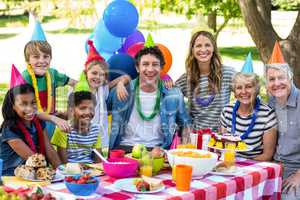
103, 66
32, 48
242, 78
192, 69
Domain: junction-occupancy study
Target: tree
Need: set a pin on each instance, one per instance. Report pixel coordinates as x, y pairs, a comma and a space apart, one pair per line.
229, 9
257, 17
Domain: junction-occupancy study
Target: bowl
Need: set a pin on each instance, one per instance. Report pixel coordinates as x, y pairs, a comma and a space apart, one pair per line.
158, 164
201, 166
120, 167
82, 189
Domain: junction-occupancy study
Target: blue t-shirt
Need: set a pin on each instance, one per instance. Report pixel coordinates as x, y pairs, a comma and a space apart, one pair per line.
10, 158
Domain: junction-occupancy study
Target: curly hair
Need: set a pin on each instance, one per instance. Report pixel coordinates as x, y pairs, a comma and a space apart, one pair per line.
155, 51
10, 117
192, 69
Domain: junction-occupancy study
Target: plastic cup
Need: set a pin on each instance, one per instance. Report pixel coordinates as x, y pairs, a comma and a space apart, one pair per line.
229, 157
117, 153
146, 170
183, 177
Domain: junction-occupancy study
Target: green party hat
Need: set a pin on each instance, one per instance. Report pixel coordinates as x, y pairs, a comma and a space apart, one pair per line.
82, 84
149, 42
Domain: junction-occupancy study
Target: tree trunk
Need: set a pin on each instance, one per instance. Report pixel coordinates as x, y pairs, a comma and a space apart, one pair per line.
212, 20
257, 17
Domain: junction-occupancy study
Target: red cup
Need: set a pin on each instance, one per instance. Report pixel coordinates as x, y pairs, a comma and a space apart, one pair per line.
117, 153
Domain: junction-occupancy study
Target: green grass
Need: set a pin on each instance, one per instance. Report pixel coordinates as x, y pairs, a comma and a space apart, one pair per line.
153, 24
7, 35
72, 31
15, 20
239, 53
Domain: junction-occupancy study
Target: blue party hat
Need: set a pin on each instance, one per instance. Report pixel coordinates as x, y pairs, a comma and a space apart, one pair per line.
248, 66
38, 33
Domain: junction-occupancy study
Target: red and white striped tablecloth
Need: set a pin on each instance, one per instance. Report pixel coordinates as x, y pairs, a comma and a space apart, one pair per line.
260, 180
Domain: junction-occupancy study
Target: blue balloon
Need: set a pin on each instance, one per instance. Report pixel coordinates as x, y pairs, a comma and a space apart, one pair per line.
104, 40
121, 18
106, 55
120, 64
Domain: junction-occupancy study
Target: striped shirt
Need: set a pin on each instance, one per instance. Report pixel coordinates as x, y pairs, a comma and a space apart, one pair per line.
79, 146
266, 119
207, 117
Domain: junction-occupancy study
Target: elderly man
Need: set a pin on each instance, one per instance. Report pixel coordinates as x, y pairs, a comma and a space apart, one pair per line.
285, 99
151, 113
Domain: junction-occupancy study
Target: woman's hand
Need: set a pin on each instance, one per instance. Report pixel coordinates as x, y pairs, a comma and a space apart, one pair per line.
62, 124
168, 84
122, 93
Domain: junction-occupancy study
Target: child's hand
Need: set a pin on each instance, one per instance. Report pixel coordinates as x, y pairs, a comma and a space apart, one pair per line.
168, 84
62, 124
122, 93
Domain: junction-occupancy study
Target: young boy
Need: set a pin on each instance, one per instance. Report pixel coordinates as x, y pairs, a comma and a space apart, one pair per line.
77, 145
45, 80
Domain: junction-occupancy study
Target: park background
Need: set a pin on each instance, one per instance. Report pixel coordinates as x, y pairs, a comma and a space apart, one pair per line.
68, 24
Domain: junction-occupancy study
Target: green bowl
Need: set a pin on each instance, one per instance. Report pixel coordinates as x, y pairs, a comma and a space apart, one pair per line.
158, 164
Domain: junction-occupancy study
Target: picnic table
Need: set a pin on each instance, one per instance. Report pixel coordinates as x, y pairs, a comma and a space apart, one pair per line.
259, 180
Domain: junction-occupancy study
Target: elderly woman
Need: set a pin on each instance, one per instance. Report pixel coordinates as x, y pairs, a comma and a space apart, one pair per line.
250, 119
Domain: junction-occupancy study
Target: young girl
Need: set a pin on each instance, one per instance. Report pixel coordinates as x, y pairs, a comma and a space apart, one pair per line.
96, 71
206, 83
22, 134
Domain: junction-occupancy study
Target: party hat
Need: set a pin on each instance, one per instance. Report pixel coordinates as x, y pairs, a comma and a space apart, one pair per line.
93, 54
248, 66
82, 84
276, 57
149, 42
15, 77
38, 33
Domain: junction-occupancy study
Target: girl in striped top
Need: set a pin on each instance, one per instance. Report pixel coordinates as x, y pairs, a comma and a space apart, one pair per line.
250, 119
206, 83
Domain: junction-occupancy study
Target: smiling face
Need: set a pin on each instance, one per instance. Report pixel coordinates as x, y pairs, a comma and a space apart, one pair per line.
25, 106
203, 49
39, 61
149, 69
245, 92
83, 113
95, 76
278, 83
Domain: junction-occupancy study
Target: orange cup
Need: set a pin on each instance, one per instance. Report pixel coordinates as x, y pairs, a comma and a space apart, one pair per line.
183, 174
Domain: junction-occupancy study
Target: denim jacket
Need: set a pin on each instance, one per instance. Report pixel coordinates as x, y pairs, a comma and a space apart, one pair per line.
172, 113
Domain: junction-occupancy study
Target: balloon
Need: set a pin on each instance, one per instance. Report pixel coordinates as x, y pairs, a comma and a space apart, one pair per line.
120, 64
91, 37
106, 55
104, 40
135, 37
121, 18
132, 51
168, 59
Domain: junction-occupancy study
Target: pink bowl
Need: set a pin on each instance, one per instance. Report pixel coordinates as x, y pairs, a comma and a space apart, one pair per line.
120, 170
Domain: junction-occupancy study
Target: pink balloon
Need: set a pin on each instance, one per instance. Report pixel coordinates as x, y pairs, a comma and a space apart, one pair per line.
134, 49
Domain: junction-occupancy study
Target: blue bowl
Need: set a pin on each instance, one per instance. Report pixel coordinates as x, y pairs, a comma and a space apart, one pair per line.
82, 189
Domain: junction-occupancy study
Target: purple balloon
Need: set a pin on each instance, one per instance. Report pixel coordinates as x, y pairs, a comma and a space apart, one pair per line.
133, 38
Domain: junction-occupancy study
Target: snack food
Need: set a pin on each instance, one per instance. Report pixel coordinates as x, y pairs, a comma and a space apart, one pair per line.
25, 172
228, 142
45, 173
222, 167
36, 160
191, 154
73, 168
147, 184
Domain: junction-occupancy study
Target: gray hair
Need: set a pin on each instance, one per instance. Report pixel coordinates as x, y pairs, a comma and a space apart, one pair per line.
241, 77
280, 66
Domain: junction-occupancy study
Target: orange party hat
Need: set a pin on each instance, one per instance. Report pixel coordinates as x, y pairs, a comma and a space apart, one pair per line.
276, 56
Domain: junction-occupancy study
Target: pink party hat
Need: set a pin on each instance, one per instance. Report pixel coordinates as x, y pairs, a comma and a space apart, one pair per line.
16, 77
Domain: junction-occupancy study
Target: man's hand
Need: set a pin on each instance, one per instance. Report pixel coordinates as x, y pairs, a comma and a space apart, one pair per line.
292, 183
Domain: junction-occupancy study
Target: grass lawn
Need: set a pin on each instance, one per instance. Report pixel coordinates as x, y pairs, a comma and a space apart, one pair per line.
239, 53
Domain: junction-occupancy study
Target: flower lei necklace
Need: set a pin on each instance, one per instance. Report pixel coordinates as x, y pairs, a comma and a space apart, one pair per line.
138, 101
28, 138
36, 90
253, 118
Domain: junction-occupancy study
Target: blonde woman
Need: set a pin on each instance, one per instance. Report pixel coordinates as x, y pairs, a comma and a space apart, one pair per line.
206, 83
249, 118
